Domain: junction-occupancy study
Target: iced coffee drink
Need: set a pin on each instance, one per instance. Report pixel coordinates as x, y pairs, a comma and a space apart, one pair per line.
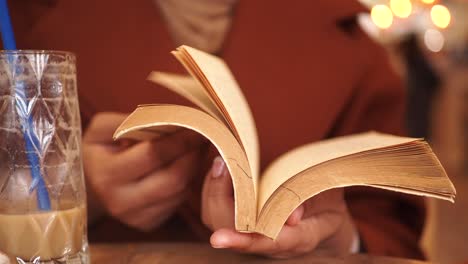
47, 235
42, 189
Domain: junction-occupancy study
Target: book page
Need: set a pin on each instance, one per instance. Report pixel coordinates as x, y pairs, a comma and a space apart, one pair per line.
190, 89
304, 157
388, 162
215, 76
149, 122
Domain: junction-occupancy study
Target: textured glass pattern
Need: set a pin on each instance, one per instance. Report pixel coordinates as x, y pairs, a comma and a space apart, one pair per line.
41, 175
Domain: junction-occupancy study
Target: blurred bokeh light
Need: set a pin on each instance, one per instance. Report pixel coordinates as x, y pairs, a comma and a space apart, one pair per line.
401, 8
434, 40
427, 43
391, 21
382, 16
440, 16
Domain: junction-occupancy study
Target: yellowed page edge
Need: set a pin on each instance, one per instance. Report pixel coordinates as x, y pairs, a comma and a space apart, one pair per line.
412, 174
189, 88
149, 118
196, 73
304, 157
221, 84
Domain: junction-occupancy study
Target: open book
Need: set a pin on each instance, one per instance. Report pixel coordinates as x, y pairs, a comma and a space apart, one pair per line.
264, 202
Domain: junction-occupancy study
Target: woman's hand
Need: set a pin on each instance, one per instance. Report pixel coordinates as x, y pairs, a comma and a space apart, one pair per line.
321, 224
139, 183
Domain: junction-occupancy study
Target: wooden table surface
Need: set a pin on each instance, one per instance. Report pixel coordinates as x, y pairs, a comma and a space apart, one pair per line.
199, 253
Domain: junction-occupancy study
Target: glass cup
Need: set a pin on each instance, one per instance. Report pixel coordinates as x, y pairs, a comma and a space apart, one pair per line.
42, 191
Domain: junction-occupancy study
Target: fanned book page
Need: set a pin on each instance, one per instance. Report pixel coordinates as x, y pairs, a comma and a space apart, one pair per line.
304, 157
263, 204
371, 159
149, 122
217, 79
189, 88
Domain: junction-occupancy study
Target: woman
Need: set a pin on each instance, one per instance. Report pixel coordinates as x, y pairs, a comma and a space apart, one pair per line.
307, 60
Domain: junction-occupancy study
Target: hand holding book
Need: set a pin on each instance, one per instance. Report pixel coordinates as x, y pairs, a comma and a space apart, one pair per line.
323, 218
264, 201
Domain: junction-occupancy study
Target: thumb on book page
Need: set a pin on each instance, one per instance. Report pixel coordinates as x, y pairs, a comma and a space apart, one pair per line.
217, 197
296, 216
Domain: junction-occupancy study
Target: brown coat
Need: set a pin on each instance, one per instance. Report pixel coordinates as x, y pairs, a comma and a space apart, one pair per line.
306, 60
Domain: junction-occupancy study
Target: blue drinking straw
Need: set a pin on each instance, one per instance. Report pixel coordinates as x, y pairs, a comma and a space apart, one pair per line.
31, 142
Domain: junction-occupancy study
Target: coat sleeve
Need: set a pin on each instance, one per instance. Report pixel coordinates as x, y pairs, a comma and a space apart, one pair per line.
389, 223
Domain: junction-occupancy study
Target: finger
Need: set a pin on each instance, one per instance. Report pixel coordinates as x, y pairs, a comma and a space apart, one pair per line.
163, 183
148, 218
295, 216
102, 127
228, 238
148, 156
313, 230
303, 237
286, 244
244, 242
292, 240
217, 197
